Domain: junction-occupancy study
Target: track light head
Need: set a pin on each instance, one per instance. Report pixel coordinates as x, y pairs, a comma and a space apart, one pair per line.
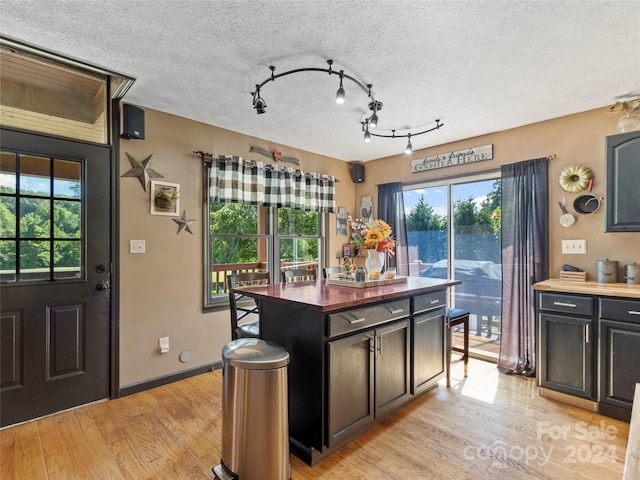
260, 106
373, 121
258, 102
340, 92
367, 136
409, 148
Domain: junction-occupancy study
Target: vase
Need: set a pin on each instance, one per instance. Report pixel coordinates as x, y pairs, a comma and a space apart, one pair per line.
164, 203
374, 261
628, 122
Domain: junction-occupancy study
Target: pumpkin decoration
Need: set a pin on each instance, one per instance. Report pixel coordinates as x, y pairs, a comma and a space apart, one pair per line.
575, 178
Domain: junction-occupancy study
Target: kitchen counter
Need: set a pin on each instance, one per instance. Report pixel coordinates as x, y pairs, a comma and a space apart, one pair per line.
320, 296
356, 354
590, 288
589, 344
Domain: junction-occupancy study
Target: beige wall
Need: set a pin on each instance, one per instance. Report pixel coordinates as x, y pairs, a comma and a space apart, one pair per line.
161, 291
573, 139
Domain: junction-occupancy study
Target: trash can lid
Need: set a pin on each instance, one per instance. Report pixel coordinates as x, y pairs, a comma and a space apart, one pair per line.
254, 354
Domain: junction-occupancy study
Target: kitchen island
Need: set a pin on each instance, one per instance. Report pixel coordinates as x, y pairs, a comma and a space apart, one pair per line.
357, 354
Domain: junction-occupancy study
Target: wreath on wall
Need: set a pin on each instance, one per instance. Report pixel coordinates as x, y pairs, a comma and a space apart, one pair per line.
575, 178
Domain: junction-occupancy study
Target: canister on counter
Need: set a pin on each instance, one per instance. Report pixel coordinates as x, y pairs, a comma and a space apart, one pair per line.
632, 274
606, 271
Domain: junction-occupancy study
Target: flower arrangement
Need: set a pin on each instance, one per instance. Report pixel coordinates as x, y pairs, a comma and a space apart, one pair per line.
373, 235
166, 193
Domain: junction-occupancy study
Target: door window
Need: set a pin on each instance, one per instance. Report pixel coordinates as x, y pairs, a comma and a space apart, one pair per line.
41, 218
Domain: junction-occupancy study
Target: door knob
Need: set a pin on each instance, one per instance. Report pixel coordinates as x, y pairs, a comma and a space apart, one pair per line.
103, 286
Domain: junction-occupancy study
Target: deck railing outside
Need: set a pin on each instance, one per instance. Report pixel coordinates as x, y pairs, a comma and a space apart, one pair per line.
219, 272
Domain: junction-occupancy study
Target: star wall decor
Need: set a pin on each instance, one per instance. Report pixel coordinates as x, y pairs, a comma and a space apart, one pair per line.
184, 222
142, 170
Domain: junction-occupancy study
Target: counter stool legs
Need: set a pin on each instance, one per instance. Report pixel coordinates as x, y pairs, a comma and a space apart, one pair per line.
455, 317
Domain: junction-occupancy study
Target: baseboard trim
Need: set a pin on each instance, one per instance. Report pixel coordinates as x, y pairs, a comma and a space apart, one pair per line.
164, 380
570, 399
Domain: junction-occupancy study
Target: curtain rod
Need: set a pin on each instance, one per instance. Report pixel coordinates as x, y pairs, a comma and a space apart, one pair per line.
207, 159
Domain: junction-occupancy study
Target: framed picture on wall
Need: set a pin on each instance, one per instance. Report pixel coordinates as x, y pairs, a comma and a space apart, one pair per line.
165, 198
366, 209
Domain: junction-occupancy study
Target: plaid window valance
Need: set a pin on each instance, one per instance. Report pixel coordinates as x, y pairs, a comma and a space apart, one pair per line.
234, 179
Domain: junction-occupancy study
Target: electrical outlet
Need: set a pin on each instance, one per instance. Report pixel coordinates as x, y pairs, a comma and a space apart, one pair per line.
163, 344
136, 246
578, 247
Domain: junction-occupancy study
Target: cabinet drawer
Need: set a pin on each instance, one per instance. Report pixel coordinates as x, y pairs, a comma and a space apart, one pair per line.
566, 303
429, 301
623, 310
359, 318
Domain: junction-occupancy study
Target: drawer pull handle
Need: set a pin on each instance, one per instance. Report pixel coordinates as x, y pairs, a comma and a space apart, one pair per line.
563, 304
394, 311
356, 320
433, 302
634, 312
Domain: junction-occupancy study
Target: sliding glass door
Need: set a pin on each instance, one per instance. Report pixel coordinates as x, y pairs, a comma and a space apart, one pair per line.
453, 231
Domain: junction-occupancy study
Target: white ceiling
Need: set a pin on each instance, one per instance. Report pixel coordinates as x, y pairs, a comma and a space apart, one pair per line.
479, 66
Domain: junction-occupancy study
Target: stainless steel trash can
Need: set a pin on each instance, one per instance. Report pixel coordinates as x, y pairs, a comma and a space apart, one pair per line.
255, 412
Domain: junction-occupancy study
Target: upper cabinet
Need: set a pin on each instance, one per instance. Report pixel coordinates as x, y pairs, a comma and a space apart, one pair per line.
623, 192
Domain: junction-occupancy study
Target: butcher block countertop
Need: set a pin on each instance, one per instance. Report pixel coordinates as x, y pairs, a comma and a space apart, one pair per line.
590, 288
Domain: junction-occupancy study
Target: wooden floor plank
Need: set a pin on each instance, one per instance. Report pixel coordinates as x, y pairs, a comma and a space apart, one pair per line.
487, 426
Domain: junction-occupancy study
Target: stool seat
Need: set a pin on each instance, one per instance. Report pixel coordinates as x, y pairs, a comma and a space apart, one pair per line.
453, 313
457, 316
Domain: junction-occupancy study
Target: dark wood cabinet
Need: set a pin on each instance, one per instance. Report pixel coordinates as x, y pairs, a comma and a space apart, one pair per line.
368, 375
619, 326
351, 385
428, 363
566, 344
623, 170
392, 368
566, 354
589, 344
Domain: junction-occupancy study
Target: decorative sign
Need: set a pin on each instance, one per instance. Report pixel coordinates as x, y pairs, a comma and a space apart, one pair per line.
475, 154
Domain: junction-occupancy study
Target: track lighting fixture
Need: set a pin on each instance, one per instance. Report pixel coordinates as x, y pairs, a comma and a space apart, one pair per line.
374, 105
409, 148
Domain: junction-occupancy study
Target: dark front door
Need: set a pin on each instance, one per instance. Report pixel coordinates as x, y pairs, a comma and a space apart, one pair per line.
54, 272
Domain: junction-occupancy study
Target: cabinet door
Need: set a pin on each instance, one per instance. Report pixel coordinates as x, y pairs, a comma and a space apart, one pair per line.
623, 195
566, 351
351, 378
619, 360
428, 362
392, 385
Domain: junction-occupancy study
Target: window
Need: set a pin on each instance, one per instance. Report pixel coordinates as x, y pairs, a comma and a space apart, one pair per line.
40, 218
453, 231
246, 238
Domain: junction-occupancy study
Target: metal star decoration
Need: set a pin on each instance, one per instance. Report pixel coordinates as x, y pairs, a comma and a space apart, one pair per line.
184, 222
142, 170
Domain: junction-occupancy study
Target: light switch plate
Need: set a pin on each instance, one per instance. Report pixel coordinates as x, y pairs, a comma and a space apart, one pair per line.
163, 344
136, 246
571, 247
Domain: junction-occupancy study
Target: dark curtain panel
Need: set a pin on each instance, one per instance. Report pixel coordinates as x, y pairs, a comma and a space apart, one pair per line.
525, 260
391, 210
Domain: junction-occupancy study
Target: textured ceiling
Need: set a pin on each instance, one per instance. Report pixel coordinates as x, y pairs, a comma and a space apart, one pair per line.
479, 66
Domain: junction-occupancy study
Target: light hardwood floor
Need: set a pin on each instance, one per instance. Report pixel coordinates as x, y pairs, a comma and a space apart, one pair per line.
487, 426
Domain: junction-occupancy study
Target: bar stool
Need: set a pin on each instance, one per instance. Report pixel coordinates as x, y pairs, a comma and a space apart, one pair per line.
457, 316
